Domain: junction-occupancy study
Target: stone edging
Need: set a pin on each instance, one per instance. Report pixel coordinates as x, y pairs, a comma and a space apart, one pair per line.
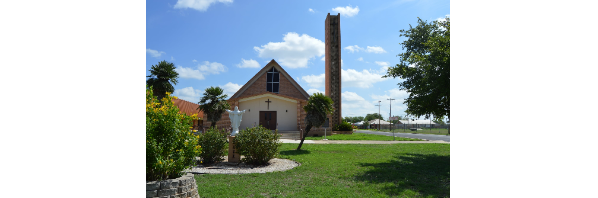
225, 167
184, 187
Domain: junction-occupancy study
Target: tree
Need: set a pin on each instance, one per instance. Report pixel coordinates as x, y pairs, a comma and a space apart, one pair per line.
425, 68
318, 106
357, 119
372, 116
213, 104
160, 77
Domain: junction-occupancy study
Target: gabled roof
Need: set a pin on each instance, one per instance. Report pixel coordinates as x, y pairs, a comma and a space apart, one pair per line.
375, 121
267, 94
268, 66
187, 107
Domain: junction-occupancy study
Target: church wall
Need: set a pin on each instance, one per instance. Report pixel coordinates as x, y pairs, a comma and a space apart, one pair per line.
286, 112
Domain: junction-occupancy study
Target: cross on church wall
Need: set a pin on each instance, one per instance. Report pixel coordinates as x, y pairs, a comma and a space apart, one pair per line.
268, 103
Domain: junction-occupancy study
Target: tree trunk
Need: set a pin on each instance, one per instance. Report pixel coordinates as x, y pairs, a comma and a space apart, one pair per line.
307, 128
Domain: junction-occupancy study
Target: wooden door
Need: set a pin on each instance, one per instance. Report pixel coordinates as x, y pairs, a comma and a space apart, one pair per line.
268, 119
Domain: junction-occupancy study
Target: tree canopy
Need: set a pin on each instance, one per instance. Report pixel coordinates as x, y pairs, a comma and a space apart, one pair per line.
213, 104
373, 116
425, 68
317, 108
160, 77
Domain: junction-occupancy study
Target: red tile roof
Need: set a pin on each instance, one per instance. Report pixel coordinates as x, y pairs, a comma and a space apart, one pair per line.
187, 107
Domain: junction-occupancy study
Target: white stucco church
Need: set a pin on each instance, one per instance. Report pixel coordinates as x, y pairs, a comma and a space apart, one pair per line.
271, 98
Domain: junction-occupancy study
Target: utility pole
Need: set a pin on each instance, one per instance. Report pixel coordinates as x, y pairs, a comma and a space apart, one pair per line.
379, 114
393, 132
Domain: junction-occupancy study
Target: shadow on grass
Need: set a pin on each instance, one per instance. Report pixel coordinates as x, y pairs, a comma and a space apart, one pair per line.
294, 152
426, 174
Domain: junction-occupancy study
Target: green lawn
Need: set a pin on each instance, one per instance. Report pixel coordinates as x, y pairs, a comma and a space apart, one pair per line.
435, 131
344, 170
362, 136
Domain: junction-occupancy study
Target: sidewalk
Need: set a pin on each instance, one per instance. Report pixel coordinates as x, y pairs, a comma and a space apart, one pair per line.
360, 142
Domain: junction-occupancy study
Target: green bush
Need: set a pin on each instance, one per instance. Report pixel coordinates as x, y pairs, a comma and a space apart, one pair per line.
213, 144
170, 146
345, 126
258, 145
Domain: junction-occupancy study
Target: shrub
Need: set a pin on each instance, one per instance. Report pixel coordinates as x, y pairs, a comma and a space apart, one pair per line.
345, 126
257, 144
170, 146
213, 144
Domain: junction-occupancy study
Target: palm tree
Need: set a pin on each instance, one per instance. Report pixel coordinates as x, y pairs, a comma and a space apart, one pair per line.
160, 78
318, 106
213, 104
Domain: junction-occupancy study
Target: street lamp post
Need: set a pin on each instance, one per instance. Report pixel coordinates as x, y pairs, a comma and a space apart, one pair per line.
379, 114
390, 114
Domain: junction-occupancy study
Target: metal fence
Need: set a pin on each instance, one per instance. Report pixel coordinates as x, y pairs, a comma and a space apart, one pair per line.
406, 127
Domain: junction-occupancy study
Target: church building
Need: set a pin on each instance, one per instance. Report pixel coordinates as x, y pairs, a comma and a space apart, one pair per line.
271, 99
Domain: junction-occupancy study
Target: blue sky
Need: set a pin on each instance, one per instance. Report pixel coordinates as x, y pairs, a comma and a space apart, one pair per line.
225, 43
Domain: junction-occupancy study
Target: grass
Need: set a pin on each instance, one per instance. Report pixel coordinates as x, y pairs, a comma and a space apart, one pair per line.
344, 170
362, 136
435, 131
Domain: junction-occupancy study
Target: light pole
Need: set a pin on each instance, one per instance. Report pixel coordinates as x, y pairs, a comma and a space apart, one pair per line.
379, 114
393, 132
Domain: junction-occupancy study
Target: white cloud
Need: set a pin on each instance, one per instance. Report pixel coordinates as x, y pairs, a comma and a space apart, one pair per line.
311, 10
323, 58
212, 68
201, 5
349, 78
355, 105
312, 91
360, 59
231, 88
377, 50
248, 64
188, 94
195, 61
294, 52
172, 58
187, 72
314, 81
363, 79
382, 63
154, 53
348, 11
353, 48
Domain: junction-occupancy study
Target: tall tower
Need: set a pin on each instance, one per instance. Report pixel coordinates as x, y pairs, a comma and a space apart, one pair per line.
333, 65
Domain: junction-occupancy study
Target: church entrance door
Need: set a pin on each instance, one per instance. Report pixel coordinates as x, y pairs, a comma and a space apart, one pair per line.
268, 119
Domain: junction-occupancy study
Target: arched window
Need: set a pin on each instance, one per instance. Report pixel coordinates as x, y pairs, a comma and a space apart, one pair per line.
272, 84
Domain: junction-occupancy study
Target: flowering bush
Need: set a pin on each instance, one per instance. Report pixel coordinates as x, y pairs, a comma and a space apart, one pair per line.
170, 146
213, 143
258, 145
354, 127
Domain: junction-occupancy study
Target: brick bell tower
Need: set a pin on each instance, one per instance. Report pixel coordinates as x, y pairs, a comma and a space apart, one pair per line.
333, 65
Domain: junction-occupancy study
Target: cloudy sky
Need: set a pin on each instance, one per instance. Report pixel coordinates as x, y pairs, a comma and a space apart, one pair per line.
225, 43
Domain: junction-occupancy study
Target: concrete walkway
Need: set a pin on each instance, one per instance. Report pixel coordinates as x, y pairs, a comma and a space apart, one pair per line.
360, 142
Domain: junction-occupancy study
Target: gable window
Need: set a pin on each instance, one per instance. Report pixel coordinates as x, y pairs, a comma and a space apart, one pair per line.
273, 80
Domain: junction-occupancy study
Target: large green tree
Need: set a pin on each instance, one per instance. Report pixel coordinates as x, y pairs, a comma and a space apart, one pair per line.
160, 77
425, 68
373, 116
213, 104
318, 106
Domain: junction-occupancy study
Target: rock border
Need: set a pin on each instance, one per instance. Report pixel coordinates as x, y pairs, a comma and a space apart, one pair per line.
184, 187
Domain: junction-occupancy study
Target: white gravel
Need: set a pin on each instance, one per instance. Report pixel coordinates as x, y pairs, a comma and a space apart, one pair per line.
225, 167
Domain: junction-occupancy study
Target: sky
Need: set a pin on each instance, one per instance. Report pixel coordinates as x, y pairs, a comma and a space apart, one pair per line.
225, 43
